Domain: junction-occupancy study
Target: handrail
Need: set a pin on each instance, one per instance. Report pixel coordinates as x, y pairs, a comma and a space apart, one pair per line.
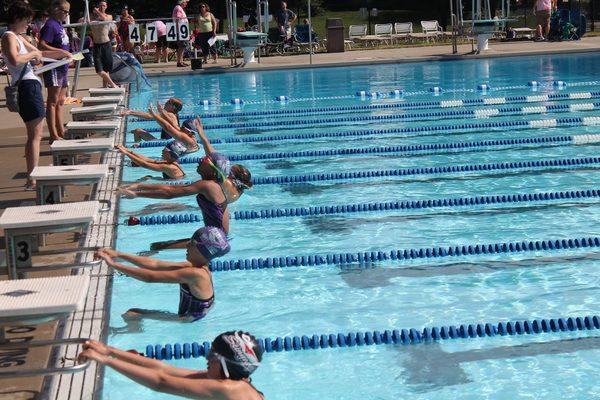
50, 267
20, 373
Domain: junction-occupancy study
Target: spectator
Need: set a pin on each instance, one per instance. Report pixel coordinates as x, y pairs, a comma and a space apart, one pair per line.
53, 37
179, 18
285, 18
39, 22
123, 29
232, 358
542, 10
207, 27
162, 49
18, 55
103, 61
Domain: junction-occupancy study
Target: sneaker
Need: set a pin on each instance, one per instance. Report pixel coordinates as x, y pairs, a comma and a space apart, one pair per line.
30, 187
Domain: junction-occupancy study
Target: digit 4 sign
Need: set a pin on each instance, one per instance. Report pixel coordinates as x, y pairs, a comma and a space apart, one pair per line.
134, 33
181, 34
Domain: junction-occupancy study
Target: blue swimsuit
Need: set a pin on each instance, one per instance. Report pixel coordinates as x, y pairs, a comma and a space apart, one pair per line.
191, 306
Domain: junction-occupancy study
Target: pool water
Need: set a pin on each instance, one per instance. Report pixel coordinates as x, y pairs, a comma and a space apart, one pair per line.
389, 294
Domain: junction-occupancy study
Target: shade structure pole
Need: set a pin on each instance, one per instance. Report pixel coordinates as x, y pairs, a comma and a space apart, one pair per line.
310, 42
86, 20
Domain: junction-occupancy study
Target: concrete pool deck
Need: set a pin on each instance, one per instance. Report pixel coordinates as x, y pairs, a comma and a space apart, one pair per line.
13, 165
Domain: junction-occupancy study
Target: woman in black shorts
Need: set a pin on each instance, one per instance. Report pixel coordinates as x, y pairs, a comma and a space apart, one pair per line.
19, 54
162, 48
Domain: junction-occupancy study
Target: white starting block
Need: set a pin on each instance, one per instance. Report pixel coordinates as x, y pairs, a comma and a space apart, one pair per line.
81, 129
94, 112
94, 101
36, 301
51, 181
65, 152
118, 91
23, 225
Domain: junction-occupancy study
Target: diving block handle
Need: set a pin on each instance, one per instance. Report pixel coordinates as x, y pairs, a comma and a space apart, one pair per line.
107, 207
44, 371
52, 267
64, 251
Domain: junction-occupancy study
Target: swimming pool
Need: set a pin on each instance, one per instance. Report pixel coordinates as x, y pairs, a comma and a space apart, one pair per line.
480, 144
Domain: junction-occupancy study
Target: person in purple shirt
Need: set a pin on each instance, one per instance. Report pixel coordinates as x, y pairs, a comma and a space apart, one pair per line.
54, 37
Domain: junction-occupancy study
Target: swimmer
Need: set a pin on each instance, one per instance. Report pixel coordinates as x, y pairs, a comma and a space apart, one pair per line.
232, 358
169, 166
184, 134
221, 184
172, 108
196, 292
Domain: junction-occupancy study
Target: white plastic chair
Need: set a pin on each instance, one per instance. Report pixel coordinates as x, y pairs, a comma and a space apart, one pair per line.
356, 33
383, 33
431, 30
403, 30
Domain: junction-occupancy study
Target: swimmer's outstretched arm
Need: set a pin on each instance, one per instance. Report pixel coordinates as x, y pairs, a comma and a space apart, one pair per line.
208, 147
159, 191
144, 262
146, 162
160, 381
179, 275
174, 131
137, 113
140, 360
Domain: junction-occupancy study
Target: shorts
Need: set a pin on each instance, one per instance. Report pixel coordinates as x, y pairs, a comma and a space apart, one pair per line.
31, 100
161, 43
103, 60
56, 77
542, 17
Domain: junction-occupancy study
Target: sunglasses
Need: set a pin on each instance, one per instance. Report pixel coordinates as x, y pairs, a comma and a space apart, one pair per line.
64, 11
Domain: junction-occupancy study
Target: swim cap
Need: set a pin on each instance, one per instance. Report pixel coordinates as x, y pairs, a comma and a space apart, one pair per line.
238, 352
176, 149
189, 125
211, 242
241, 177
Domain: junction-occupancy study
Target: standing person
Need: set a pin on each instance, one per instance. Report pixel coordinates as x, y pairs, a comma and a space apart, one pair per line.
162, 50
18, 54
542, 10
103, 61
232, 358
39, 22
207, 27
285, 18
196, 291
53, 37
179, 17
123, 29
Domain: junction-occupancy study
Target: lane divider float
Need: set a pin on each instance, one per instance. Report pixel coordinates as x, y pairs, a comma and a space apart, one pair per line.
164, 219
390, 337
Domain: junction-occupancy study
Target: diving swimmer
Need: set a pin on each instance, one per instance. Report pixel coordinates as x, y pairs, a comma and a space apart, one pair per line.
232, 358
196, 292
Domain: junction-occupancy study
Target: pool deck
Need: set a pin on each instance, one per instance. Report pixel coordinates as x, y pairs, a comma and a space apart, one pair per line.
93, 321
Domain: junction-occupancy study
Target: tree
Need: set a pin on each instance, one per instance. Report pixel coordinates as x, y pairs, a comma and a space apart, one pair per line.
316, 7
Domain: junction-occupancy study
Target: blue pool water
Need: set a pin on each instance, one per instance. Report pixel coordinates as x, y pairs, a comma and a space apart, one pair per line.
388, 294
